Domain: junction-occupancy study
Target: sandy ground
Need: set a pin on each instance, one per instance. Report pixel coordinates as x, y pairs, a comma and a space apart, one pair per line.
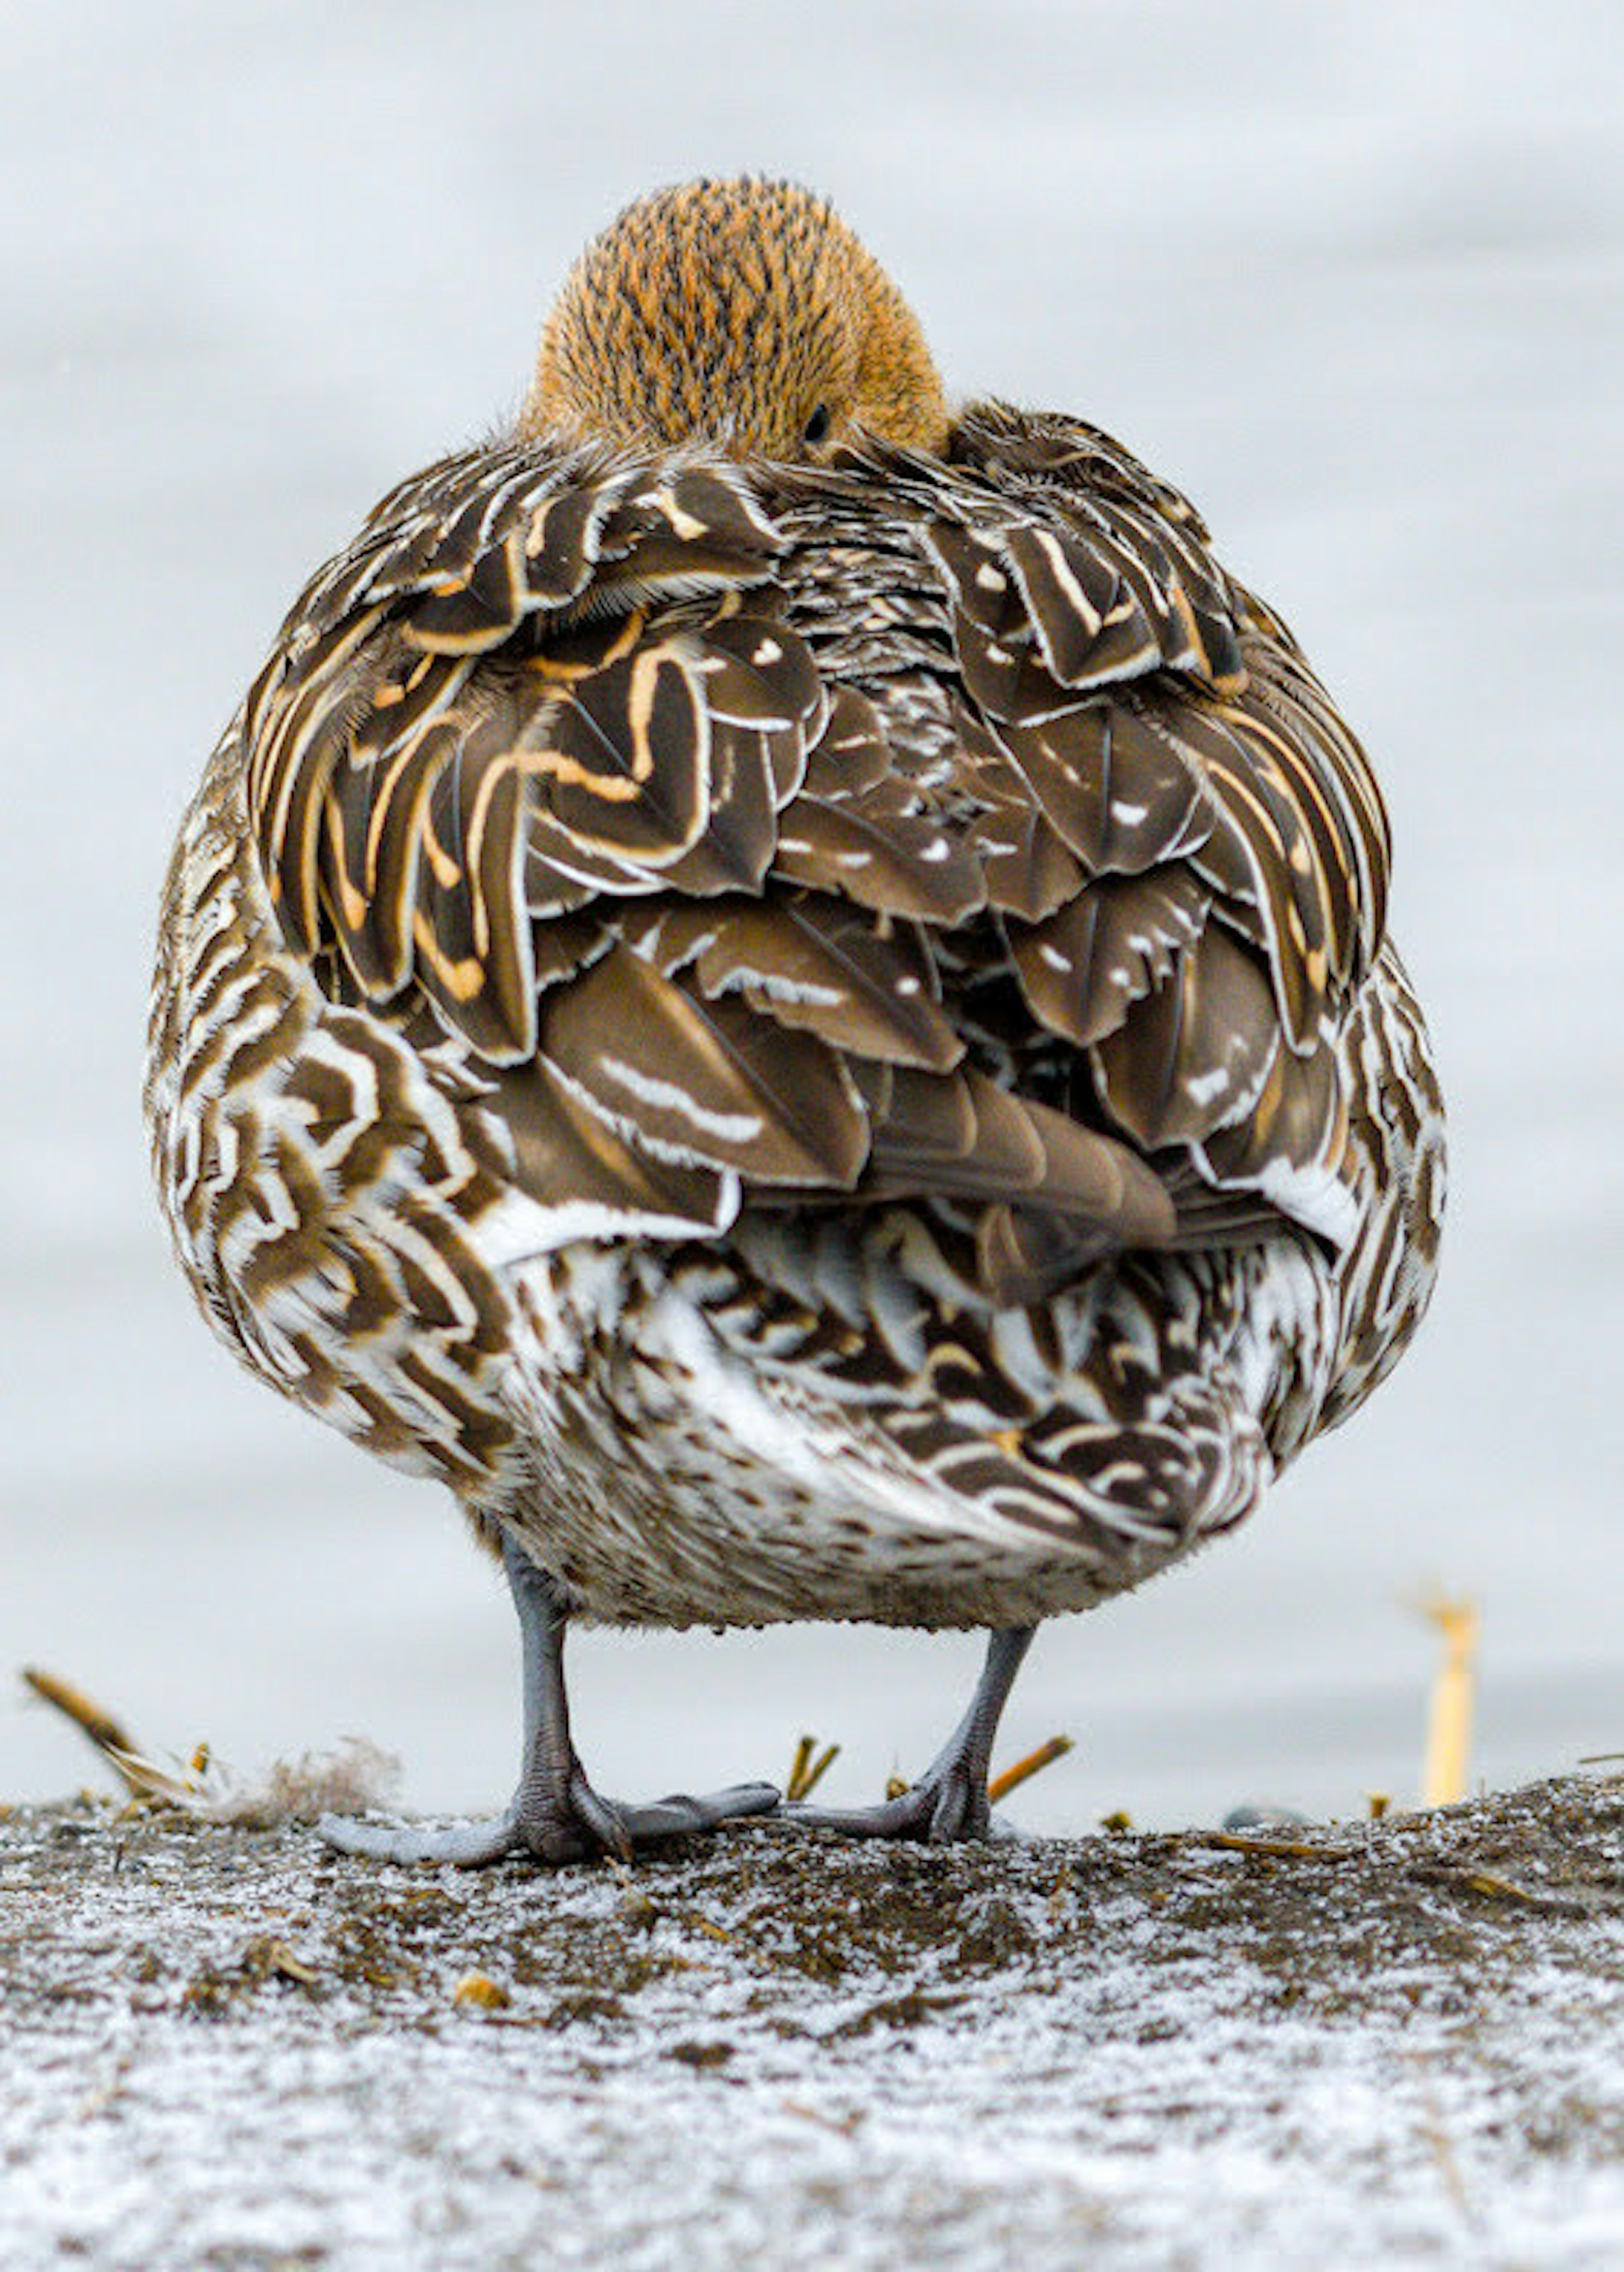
1370, 2044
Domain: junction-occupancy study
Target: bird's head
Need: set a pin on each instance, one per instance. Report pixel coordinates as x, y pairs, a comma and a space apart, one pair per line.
742, 316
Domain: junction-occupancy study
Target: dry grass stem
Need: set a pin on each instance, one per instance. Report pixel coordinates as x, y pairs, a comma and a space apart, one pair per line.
1448, 1732
809, 1768
118, 1746
1023, 1770
1295, 1849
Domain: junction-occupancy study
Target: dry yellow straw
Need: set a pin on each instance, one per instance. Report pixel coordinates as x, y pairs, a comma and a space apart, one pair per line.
139, 1776
1011, 1778
109, 1735
809, 1768
1449, 1729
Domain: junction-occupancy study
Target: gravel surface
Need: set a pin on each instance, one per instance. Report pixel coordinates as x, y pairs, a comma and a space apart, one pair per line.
1358, 2044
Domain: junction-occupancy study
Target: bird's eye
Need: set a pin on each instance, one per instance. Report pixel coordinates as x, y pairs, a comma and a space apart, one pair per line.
817, 427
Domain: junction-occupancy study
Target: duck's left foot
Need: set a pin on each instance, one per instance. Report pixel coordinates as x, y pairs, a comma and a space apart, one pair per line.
949, 1801
556, 1815
939, 1810
571, 1824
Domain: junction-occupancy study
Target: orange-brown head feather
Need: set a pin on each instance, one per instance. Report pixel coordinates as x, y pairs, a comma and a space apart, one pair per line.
739, 315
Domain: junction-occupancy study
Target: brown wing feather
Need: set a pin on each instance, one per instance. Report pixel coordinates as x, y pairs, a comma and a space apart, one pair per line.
940, 831
1232, 840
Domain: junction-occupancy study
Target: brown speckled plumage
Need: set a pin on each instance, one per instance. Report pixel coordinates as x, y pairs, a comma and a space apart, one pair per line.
792, 994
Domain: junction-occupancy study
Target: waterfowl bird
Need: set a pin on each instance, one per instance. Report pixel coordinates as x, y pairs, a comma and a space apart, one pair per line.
788, 987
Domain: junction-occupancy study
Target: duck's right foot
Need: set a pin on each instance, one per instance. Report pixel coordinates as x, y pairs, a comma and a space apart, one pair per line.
949, 1801
942, 1809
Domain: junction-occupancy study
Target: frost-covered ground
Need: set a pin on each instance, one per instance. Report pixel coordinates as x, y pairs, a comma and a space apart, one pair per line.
1353, 277
1374, 2046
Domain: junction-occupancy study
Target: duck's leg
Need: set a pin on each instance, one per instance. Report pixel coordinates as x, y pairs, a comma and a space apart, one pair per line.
950, 1800
554, 1814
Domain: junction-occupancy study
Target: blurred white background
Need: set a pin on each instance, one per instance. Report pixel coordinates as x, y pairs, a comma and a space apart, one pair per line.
1353, 278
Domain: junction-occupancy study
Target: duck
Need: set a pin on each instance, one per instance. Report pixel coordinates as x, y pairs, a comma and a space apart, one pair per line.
786, 985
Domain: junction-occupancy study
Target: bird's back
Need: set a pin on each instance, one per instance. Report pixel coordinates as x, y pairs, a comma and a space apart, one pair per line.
821, 1038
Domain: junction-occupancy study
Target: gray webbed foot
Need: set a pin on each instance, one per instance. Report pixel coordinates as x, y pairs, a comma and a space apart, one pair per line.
949, 1801
555, 1815
468, 1843
938, 1811
588, 1825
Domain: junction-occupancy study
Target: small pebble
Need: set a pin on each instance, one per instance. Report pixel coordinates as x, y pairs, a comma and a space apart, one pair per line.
1261, 1815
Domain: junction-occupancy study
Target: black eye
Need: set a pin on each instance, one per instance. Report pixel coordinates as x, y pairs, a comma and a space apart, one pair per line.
817, 427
